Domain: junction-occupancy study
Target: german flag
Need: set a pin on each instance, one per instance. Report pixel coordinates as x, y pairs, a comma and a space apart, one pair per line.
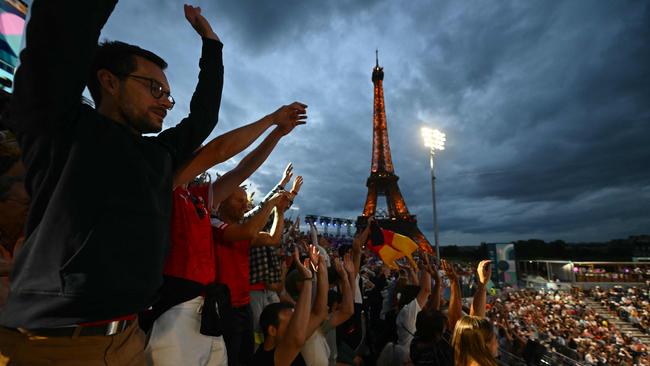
389, 245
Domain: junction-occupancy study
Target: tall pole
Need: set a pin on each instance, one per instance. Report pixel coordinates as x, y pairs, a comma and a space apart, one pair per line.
435, 213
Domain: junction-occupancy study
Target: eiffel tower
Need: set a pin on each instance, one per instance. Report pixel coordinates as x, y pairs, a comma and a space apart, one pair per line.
383, 180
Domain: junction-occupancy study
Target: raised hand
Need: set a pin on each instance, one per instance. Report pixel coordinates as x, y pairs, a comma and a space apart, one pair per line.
338, 265
450, 272
314, 256
297, 184
284, 201
302, 267
279, 197
198, 22
430, 267
484, 271
286, 176
289, 116
362, 237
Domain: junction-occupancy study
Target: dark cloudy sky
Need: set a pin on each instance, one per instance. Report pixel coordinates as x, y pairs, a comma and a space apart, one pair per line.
546, 104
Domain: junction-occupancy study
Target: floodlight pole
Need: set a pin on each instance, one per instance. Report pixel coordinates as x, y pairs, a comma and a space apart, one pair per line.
435, 213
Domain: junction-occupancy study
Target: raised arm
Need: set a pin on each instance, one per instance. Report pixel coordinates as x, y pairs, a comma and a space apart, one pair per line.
188, 135
346, 310
413, 278
455, 305
286, 177
434, 299
425, 288
319, 310
480, 297
61, 39
227, 183
273, 237
249, 229
358, 242
289, 346
313, 232
233, 142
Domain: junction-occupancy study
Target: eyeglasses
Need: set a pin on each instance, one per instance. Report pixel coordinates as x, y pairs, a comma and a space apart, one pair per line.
156, 88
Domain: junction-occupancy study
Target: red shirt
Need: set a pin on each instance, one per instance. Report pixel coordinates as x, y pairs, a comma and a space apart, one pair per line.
192, 251
258, 286
233, 268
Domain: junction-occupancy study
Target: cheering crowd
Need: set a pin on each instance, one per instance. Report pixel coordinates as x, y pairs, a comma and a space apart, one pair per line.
561, 321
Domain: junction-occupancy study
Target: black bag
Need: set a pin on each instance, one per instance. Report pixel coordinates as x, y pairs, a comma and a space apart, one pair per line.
216, 309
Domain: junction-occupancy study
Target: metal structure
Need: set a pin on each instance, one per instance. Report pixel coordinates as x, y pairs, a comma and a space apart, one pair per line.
434, 140
383, 180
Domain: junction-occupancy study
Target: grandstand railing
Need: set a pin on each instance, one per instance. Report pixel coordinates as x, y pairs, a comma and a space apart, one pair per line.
508, 359
548, 358
554, 358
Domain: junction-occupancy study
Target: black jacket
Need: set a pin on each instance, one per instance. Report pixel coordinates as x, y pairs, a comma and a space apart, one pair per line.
98, 226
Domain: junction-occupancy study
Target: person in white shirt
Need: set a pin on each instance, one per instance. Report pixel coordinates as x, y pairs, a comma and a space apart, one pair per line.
405, 322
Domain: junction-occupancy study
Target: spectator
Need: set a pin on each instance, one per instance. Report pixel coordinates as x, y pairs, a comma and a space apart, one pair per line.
91, 262
189, 290
285, 331
431, 342
474, 339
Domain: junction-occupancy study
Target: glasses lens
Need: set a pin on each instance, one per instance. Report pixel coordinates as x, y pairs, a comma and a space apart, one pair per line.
171, 100
156, 89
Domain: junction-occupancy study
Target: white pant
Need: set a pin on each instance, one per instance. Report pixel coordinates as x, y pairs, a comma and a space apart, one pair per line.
175, 339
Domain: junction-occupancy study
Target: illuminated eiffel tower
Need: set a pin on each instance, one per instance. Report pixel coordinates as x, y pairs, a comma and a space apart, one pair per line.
383, 180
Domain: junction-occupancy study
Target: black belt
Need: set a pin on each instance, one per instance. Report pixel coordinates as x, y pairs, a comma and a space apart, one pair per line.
108, 329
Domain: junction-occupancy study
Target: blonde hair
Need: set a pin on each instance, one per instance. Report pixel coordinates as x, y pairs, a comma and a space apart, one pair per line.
471, 339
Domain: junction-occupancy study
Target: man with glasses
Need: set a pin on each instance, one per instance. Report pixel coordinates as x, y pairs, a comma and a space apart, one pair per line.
97, 231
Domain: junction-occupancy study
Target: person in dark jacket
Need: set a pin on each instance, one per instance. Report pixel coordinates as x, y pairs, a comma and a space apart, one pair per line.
91, 261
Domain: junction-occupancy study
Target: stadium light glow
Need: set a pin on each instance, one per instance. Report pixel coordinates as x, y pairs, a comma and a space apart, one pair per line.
433, 139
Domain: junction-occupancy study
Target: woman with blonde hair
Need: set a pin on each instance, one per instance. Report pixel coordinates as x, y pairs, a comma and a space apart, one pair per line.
475, 340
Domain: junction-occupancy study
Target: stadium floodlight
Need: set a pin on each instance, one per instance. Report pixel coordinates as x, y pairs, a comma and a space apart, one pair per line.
434, 140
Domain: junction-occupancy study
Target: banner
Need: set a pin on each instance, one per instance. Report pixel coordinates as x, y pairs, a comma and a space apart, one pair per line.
504, 270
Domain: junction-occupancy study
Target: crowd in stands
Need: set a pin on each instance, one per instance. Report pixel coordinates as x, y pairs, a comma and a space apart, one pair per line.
561, 321
631, 304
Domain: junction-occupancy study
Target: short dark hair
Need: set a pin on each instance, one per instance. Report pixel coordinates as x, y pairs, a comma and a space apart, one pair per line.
118, 58
271, 315
408, 294
430, 324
